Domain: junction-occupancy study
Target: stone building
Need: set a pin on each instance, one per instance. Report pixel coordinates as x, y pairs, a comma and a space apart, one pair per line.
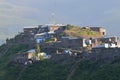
53, 28
30, 30
24, 57
72, 42
43, 29
49, 28
101, 30
110, 40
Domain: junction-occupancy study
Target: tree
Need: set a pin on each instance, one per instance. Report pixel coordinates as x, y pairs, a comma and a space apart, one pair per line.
69, 26
37, 48
40, 57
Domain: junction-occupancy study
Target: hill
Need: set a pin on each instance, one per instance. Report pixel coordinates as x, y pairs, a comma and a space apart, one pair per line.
52, 70
8, 71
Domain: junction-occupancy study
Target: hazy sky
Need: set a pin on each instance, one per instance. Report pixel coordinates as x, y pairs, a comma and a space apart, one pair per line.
20, 13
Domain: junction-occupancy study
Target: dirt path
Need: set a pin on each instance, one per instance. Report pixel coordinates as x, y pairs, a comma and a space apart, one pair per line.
73, 69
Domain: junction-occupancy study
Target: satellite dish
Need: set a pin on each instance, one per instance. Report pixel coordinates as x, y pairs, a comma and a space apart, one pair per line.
88, 42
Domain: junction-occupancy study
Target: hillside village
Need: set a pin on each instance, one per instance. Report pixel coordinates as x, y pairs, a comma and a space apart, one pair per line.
52, 41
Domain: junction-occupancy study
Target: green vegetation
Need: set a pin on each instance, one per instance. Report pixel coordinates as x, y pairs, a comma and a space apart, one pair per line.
7, 71
68, 27
2, 47
38, 48
45, 70
75, 31
49, 41
88, 70
50, 70
54, 70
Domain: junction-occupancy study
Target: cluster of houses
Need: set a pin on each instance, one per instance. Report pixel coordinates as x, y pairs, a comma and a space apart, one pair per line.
50, 31
29, 57
44, 35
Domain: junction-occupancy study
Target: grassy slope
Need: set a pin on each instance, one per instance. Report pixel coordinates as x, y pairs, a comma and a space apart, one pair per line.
84, 33
46, 70
93, 71
8, 72
49, 70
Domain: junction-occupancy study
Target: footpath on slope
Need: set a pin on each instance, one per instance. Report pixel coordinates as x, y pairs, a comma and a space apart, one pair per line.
73, 69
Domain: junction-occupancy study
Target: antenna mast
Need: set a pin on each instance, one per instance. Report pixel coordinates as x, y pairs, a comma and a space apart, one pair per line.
53, 18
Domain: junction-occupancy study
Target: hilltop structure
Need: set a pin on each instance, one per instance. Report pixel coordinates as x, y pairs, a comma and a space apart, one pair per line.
61, 35
101, 30
61, 38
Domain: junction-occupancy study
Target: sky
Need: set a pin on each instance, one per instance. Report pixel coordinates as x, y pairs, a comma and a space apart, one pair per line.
16, 14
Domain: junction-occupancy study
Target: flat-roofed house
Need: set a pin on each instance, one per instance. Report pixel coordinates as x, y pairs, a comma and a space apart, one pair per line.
30, 30
49, 28
72, 42
44, 36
